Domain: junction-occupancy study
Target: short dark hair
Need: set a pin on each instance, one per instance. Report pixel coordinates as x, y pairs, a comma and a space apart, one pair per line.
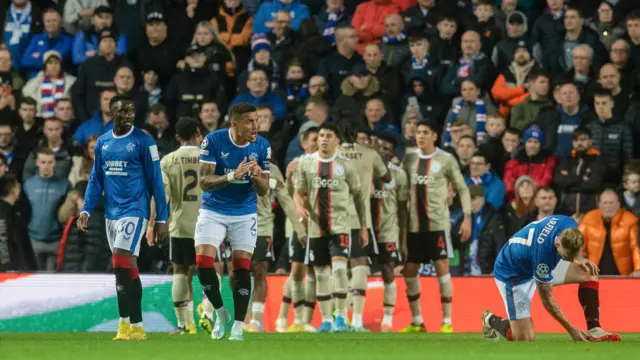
28, 100
473, 139
634, 15
264, 107
45, 151
546, 189
158, 109
388, 137
331, 127
428, 123
51, 9
187, 127
574, 8
535, 74
601, 92
239, 110
480, 154
117, 98
309, 131
581, 130
447, 17
513, 131
7, 183
491, 3
64, 99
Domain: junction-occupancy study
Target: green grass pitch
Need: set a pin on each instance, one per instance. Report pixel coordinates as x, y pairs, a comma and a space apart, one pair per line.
349, 346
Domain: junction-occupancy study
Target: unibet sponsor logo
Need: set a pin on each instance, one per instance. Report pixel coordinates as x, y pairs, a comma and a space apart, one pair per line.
324, 183
421, 179
380, 194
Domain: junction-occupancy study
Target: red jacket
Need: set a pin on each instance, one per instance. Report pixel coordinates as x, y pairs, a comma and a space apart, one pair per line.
539, 168
368, 20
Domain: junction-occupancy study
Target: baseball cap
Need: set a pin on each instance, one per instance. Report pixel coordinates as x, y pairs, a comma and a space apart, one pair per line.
516, 18
195, 49
155, 16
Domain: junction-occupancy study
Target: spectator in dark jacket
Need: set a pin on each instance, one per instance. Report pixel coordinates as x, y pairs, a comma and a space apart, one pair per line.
45, 193
558, 59
85, 43
161, 130
96, 75
611, 136
312, 47
339, 64
558, 125
282, 38
516, 37
330, 17
124, 82
388, 77
532, 160
582, 72
422, 16
395, 44
579, 176
53, 140
16, 253
485, 23
630, 195
609, 79
473, 65
261, 59
356, 90
444, 44
550, 24
619, 57
498, 149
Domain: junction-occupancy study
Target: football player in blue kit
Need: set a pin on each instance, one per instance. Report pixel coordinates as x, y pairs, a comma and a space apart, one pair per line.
234, 170
127, 169
544, 254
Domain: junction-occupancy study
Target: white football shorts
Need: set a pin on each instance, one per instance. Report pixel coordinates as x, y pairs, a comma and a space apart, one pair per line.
126, 233
517, 298
212, 228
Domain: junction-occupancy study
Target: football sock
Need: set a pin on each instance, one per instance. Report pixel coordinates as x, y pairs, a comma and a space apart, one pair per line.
588, 296
390, 293
297, 295
207, 307
323, 293
502, 326
209, 280
257, 309
180, 295
413, 295
340, 285
446, 292
286, 299
124, 284
190, 312
310, 299
136, 299
242, 288
359, 290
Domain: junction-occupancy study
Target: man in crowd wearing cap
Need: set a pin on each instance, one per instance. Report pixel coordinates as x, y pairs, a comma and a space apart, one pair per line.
532, 160
158, 53
579, 176
85, 43
194, 84
509, 88
504, 52
558, 123
78, 14
53, 38
96, 75
258, 84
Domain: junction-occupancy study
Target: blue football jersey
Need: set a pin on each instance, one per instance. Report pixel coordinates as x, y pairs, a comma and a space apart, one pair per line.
531, 252
127, 169
239, 197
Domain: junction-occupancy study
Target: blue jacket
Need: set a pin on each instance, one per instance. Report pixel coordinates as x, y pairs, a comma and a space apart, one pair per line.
81, 46
267, 12
494, 191
276, 103
90, 127
40, 44
45, 196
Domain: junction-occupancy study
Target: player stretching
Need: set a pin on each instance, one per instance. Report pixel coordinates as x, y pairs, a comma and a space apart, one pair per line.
329, 180
264, 252
180, 176
388, 209
234, 169
430, 170
303, 294
127, 169
368, 165
544, 254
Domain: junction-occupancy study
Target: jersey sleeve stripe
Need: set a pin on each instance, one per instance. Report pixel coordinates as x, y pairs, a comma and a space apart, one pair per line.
208, 162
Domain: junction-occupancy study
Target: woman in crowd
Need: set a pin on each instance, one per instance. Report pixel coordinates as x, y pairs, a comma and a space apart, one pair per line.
521, 210
50, 85
82, 164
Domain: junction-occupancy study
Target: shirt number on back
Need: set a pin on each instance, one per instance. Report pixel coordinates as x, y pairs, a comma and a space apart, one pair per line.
526, 242
190, 185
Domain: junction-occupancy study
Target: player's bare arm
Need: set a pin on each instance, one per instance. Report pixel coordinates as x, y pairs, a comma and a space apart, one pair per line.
260, 180
289, 209
299, 201
403, 221
545, 291
82, 222
465, 200
361, 210
151, 236
209, 181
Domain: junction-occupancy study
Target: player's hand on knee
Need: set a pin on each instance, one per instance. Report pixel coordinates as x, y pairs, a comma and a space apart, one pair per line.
83, 222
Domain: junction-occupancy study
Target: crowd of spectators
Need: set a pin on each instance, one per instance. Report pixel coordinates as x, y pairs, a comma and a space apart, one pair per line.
538, 100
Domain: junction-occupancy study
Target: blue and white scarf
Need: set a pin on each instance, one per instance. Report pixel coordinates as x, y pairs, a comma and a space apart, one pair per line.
481, 120
419, 65
51, 92
329, 31
18, 24
392, 40
300, 95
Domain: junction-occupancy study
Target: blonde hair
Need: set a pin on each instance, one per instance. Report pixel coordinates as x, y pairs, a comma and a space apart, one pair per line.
572, 240
216, 38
